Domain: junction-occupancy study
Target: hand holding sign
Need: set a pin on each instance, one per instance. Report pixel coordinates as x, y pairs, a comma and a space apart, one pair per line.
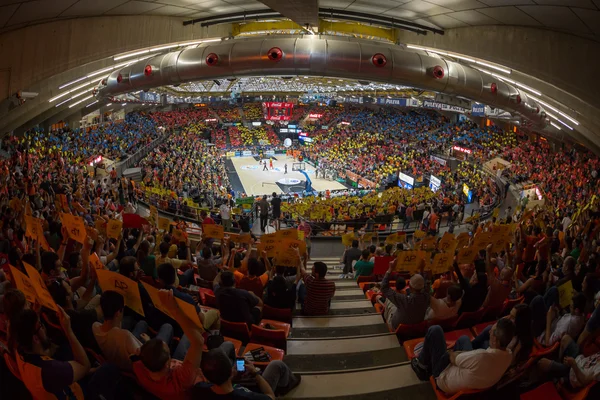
410, 260
114, 228
128, 288
211, 231
75, 227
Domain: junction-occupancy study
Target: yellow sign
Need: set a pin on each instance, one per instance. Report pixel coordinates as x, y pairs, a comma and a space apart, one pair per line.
75, 227
409, 260
427, 243
114, 228
367, 237
23, 283
212, 231
565, 294
153, 215
128, 288
293, 244
291, 233
448, 243
286, 257
396, 238
241, 238
419, 234
96, 262
268, 243
442, 262
466, 255
482, 240
348, 238
43, 295
34, 227
463, 240
188, 309
164, 224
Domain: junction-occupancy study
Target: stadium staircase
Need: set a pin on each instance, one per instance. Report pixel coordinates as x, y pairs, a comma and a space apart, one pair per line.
350, 353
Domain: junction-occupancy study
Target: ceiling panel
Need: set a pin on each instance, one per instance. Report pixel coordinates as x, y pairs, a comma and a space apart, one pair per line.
458, 5
496, 3
446, 22
91, 7
134, 7
509, 16
403, 13
6, 12
335, 3
473, 17
426, 8
567, 3
37, 10
591, 19
171, 10
556, 17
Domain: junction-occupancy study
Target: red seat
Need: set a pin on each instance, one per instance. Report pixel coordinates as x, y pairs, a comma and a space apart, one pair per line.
443, 396
405, 331
369, 278
446, 324
492, 313
278, 314
276, 354
210, 300
236, 330
202, 292
547, 391
378, 308
540, 350
12, 365
269, 337
282, 326
468, 319
236, 344
477, 329
451, 338
151, 281
581, 394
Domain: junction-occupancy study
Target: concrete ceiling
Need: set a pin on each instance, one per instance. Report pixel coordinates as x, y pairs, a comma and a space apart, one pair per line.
580, 17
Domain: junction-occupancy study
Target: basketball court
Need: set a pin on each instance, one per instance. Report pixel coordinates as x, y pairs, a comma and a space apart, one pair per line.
256, 181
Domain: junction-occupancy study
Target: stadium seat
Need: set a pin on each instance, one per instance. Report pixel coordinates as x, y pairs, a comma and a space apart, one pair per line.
443, 396
11, 364
269, 337
236, 330
446, 324
492, 313
510, 304
236, 344
277, 314
581, 394
275, 353
210, 300
405, 331
99, 358
540, 350
379, 308
547, 391
451, 338
468, 319
477, 329
276, 325
369, 278
202, 292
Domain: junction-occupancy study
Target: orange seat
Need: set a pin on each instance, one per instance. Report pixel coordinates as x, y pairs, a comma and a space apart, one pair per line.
446, 324
510, 304
202, 292
269, 337
369, 278
468, 319
405, 331
477, 329
12, 365
276, 354
443, 396
581, 394
236, 344
278, 314
379, 308
540, 350
547, 391
210, 300
451, 338
277, 325
236, 330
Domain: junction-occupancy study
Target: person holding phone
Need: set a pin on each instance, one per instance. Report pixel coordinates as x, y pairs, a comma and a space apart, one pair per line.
220, 370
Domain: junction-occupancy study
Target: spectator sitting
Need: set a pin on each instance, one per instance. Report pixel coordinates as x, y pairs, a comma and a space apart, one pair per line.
555, 327
465, 368
208, 264
153, 368
316, 293
475, 290
236, 305
188, 275
166, 276
447, 307
256, 280
219, 370
364, 267
406, 309
281, 290
350, 255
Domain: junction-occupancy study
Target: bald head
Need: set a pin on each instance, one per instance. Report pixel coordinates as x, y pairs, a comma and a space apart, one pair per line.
506, 274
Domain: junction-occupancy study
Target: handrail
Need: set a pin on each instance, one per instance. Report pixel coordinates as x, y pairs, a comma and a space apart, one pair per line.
137, 156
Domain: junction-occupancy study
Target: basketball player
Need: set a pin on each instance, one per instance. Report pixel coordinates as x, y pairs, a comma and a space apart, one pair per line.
285, 169
271, 163
265, 166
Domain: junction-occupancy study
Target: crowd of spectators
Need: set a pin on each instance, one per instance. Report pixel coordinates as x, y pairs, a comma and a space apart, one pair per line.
228, 114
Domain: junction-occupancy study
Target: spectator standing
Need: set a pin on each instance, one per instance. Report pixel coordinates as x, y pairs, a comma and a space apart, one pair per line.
350, 255
263, 206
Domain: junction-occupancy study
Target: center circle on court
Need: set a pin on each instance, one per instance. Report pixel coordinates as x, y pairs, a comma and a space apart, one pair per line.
251, 167
289, 181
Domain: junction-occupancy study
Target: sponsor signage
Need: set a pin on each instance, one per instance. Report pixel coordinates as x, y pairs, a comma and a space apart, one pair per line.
315, 116
230, 154
438, 160
292, 126
392, 102
272, 104
405, 181
247, 153
283, 130
434, 183
270, 152
307, 139
210, 120
464, 150
257, 123
278, 118
478, 110
442, 106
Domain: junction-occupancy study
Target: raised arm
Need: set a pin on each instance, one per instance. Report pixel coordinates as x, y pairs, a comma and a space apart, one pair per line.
81, 363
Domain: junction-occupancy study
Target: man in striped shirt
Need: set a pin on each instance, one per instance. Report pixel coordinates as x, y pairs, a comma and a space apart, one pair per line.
318, 291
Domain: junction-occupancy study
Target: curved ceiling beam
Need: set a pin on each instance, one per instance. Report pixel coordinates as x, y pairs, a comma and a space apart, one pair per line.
321, 56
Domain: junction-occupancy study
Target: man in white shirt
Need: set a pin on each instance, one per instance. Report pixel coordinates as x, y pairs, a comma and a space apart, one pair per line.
116, 343
465, 368
569, 324
447, 307
566, 221
225, 216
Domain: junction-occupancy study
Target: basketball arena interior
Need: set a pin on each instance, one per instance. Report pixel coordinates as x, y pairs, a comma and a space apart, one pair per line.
300, 199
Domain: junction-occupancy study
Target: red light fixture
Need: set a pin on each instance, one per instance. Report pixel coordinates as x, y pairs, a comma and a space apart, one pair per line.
518, 99
438, 72
148, 70
104, 81
212, 59
119, 78
275, 54
379, 60
494, 88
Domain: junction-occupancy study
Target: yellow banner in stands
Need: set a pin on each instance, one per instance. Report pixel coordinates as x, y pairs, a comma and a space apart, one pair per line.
394, 238
268, 243
96, 262
33, 227
212, 231
164, 224
23, 283
565, 294
410, 260
498, 241
153, 215
241, 238
286, 257
188, 309
43, 295
368, 237
114, 228
348, 238
293, 244
482, 240
75, 227
128, 288
427, 243
466, 255
462, 240
419, 234
448, 243
291, 233
442, 263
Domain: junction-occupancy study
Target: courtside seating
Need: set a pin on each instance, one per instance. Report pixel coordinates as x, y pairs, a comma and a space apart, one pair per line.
443, 396
277, 314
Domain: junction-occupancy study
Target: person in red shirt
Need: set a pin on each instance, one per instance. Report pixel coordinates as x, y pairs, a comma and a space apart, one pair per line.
206, 219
